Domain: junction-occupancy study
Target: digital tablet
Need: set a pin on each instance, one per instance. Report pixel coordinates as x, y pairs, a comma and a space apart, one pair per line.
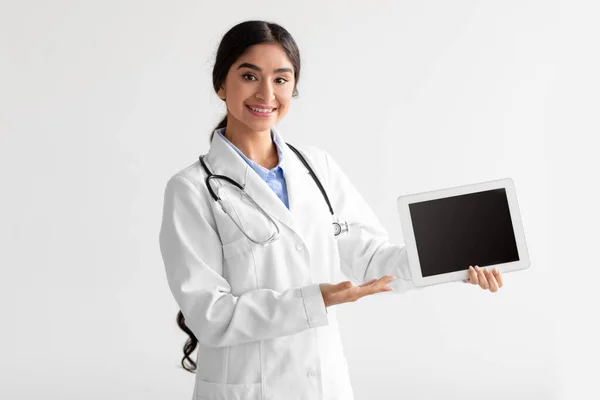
447, 230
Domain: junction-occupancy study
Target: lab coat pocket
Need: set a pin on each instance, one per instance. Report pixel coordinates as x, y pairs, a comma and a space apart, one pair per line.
236, 247
226, 391
238, 266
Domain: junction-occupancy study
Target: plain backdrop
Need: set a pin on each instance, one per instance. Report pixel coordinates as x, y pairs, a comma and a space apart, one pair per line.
101, 102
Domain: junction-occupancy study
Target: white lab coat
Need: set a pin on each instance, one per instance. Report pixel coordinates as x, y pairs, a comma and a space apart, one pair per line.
258, 313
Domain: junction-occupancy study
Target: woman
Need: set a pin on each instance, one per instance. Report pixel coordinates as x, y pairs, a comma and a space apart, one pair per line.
249, 272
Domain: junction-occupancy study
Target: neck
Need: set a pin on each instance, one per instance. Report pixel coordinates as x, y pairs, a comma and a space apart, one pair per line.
257, 146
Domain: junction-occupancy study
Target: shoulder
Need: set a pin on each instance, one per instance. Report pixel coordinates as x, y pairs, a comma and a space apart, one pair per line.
320, 160
187, 185
316, 157
192, 174
323, 164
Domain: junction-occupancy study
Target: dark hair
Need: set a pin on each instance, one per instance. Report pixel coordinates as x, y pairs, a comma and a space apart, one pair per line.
234, 43
244, 35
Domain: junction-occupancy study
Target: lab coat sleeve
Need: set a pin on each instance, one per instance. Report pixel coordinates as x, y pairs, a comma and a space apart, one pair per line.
365, 251
192, 255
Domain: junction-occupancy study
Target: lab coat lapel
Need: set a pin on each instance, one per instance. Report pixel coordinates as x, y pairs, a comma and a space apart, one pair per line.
297, 179
225, 161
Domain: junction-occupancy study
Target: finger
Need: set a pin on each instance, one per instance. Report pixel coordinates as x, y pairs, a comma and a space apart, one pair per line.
498, 276
387, 279
368, 283
381, 284
473, 276
376, 286
491, 281
483, 283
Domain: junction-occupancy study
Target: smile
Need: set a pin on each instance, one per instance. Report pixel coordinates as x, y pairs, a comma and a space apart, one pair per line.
262, 112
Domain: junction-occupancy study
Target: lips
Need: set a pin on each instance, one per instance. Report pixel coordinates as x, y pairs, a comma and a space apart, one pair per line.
259, 110
261, 107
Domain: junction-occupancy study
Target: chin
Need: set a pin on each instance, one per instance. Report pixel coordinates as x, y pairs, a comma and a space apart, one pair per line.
261, 127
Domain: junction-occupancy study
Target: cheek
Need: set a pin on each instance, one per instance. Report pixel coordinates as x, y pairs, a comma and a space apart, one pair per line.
284, 110
236, 92
285, 101
235, 101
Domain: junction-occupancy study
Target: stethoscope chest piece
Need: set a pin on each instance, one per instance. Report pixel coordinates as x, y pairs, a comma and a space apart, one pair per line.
339, 227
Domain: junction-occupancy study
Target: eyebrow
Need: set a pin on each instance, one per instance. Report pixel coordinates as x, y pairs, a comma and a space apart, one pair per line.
254, 67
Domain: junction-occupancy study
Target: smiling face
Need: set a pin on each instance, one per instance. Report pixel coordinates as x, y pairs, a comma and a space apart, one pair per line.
258, 89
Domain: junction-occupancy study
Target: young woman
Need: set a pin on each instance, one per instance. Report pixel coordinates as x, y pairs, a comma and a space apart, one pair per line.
249, 265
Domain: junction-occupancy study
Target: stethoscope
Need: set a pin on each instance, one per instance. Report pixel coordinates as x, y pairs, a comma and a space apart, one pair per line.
339, 226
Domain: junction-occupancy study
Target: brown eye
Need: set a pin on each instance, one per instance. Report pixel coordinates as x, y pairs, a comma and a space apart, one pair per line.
281, 80
249, 77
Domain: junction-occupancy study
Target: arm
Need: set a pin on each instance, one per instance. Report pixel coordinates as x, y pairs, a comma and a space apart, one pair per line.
193, 259
365, 251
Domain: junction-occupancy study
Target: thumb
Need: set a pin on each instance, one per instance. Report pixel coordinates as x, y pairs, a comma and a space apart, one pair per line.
344, 285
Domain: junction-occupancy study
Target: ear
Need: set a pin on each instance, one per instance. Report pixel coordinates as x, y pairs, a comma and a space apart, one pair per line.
221, 93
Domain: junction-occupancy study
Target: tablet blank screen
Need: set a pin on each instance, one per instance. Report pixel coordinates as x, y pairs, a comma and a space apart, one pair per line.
471, 229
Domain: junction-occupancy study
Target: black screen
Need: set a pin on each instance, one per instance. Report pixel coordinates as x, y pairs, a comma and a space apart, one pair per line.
471, 229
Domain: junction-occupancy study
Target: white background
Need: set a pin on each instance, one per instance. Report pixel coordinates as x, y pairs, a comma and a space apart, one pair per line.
101, 102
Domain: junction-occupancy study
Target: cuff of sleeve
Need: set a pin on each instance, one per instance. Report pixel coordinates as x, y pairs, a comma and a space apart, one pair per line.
402, 271
314, 305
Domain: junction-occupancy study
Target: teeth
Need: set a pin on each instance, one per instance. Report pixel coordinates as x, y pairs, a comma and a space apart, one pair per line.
261, 110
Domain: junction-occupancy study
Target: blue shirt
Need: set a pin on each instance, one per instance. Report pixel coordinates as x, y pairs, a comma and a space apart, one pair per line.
273, 177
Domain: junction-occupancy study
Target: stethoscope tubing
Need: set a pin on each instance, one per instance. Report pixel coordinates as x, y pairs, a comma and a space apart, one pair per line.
339, 226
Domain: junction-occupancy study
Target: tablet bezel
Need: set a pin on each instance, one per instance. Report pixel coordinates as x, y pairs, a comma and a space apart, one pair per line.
409, 237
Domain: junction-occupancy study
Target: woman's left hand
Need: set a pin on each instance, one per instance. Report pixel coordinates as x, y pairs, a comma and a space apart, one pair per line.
485, 278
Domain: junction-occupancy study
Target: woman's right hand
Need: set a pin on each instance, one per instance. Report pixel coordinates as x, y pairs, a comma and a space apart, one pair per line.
346, 292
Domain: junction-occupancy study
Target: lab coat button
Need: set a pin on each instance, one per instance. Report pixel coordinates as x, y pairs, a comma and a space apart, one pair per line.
299, 247
311, 374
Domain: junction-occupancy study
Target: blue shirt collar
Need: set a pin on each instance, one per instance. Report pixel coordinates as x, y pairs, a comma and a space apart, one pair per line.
262, 171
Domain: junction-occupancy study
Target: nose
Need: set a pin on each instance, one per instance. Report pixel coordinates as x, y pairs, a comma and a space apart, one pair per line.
265, 91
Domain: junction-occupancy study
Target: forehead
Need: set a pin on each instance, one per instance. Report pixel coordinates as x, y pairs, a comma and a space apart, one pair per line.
268, 56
